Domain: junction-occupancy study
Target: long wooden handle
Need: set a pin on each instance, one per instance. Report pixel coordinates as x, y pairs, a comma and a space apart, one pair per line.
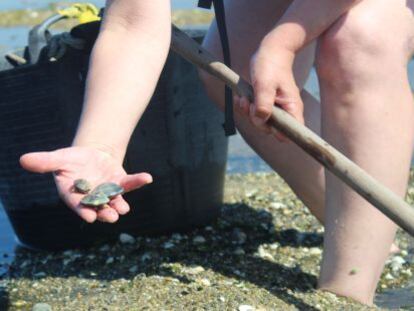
373, 191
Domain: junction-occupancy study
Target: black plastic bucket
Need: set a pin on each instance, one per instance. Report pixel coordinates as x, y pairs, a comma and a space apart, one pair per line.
179, 140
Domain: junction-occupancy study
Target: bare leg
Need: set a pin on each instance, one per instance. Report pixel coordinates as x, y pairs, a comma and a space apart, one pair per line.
367, 113
247, 23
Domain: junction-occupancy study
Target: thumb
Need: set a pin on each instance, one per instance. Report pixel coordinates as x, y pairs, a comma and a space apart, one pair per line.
42, 162
134, 181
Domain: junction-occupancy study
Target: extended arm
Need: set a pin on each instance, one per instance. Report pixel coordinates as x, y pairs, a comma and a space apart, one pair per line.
126, 63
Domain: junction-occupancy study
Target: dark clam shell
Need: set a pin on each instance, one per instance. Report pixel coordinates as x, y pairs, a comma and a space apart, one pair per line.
109, 189
95, 199
82, 185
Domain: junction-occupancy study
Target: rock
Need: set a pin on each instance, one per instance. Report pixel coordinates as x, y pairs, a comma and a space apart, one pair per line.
315, 251
193, 270
109, 260
125, 238
262, 253
104, 248
168, 245
388, 276
68, 253
239, 251
146, 256
40, 274
274, 246
277, 205
397, 263
177, 237
251, 193
238, 236
246, 308
199, 239
222, 299
25, 264
42, 307
204, 282
133, 269
19, 303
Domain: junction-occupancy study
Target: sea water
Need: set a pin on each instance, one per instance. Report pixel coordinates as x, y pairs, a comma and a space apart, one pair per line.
36, 4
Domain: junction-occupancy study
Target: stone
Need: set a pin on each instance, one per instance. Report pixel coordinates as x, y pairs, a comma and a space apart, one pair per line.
133, 269
396, 263
315, 251
262, 253
168, 245
194, 270
42, 307
246, 308
239, 251
388, 276
125, 238
199, 239
146, 256
205, 282
238, 236
277, 205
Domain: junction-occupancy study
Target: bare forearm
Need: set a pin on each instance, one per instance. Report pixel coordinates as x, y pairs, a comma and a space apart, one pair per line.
126, 63
304, 21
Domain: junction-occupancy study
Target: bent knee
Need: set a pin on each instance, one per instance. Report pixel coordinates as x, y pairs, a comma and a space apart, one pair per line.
364, 39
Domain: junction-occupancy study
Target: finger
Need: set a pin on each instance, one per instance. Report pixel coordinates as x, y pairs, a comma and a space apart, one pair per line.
108, 214
42, 162
72, 200
86, 213
135, 181
264, 94
120, 205
258, 122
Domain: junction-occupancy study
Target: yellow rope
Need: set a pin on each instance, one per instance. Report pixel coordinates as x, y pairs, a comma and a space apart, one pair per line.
84, 12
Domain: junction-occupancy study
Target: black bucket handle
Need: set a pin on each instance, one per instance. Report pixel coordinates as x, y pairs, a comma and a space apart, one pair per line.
39, 37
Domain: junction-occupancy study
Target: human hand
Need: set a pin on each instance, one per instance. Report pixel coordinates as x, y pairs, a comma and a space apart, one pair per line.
94, 165
274, 84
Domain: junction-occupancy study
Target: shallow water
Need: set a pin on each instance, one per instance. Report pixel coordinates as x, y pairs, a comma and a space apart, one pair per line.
241, 158
23, 4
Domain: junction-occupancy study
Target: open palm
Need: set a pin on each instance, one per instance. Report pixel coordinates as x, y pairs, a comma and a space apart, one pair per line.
96, 166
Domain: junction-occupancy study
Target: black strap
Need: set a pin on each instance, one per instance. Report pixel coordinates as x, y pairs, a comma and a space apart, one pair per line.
229, 126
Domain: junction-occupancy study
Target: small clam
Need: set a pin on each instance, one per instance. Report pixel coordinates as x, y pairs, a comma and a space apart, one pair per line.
95, 199
110, 189
82, 186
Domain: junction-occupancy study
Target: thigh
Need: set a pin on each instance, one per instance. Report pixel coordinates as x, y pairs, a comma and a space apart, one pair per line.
247, 23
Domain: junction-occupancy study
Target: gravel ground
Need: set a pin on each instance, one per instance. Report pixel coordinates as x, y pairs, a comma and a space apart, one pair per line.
263, 253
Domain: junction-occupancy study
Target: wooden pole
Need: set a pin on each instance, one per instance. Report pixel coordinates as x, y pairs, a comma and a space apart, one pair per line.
373, 191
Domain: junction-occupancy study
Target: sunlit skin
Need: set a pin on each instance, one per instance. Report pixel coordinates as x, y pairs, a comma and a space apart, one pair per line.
366, 110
